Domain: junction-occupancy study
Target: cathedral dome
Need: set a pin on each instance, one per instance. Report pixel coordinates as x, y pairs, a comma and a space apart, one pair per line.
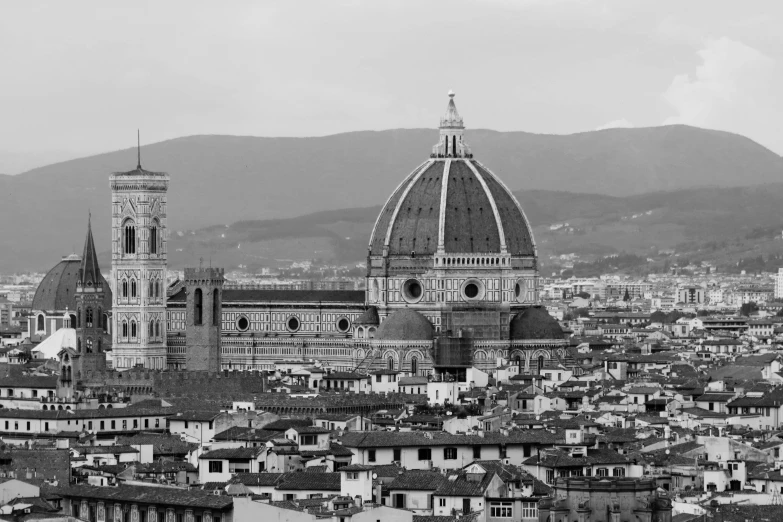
57, 290
535, 323
451, 204
405, 325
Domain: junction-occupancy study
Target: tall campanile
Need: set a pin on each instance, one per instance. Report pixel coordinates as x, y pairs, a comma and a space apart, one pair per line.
139, 268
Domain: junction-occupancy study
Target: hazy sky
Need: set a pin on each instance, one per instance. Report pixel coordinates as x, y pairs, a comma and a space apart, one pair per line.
79, 77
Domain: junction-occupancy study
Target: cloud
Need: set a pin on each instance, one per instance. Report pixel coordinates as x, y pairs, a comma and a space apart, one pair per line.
727, 90
622, 123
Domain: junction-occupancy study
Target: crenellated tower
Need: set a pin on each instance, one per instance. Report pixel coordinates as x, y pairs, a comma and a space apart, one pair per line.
203, 327
139, 268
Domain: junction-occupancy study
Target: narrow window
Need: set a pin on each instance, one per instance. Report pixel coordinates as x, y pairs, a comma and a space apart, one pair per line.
124, 288
133, 329
40, 323
133, 287
197, 307
215, 308
124, 329
153, 240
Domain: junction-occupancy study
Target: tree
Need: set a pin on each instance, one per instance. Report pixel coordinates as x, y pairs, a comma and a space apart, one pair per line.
582, 312
583, 295
672, 316
658, 317
627, 296
748, 308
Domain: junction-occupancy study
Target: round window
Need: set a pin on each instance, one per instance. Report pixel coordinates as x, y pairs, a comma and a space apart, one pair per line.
412, 290
243, 324
293, 323
343, 324
521, 289
473, 290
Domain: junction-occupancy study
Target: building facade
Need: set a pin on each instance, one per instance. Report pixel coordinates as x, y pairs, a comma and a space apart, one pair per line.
603, 499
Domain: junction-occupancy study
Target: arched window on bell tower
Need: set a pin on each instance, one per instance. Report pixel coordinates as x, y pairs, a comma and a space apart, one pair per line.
129, 237
154, 238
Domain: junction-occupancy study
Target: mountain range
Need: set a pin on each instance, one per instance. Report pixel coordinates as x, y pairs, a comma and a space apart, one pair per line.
250, 182
717, 225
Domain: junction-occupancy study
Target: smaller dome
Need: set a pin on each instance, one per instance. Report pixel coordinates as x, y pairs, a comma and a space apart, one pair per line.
405, 325
535, 323
369, 317
57, 290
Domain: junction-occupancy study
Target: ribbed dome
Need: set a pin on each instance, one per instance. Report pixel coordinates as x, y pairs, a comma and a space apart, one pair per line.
405, 325
57, 290
535, 323
477, 206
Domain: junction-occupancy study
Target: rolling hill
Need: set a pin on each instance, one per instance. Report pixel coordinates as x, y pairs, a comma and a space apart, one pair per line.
717, 225
226, 179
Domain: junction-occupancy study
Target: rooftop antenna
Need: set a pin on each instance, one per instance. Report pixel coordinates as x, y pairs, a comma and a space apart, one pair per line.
138, 148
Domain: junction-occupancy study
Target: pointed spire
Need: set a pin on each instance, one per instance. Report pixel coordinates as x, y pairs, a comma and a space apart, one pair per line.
138, 148
89, 272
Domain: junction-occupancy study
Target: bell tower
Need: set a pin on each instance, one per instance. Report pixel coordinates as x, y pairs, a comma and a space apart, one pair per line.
91, 318
139, 268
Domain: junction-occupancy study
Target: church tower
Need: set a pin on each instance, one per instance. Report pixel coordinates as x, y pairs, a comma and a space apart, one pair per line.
139, 268
204, 302
91, 318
